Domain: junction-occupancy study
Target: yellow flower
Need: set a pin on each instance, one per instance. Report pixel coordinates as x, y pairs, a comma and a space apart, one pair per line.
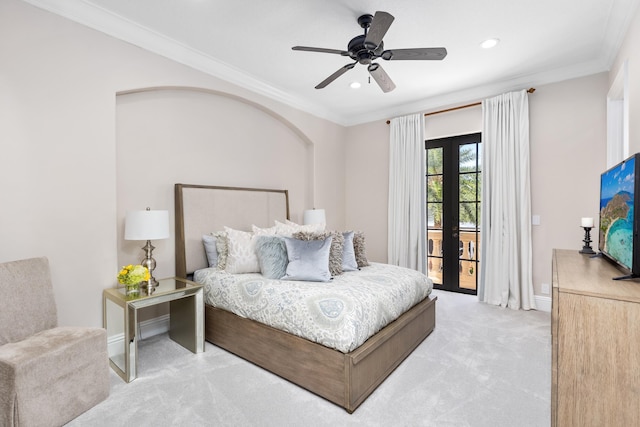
132, 274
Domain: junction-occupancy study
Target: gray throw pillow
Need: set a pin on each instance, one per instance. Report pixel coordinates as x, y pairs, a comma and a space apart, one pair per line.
210, 250
359, 248
349, 262
337, 243
272, 256
308, 259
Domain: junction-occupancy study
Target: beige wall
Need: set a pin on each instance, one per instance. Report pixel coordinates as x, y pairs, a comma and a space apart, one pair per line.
200, 137
67, 180
568, 154
567, 125
630, 51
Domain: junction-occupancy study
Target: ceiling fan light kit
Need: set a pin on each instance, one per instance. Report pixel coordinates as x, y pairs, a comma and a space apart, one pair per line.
366, 48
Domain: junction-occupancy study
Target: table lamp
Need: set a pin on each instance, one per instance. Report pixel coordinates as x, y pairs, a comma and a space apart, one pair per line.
313, 216
147, 225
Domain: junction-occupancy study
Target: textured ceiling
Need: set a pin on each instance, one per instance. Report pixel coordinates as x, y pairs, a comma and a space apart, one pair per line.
249, 43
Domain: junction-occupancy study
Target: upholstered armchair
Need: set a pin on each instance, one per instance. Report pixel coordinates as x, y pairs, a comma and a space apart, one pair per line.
48, 374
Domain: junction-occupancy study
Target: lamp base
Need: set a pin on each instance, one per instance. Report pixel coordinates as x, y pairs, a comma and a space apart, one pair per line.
150, 285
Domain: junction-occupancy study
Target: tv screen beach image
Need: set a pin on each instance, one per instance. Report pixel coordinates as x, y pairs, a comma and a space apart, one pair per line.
616, 212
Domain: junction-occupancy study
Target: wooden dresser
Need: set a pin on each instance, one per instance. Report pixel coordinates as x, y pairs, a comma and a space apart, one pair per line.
595, 330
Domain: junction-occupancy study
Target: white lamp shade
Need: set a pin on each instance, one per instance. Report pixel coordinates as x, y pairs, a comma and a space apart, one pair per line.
314, 216
146, 225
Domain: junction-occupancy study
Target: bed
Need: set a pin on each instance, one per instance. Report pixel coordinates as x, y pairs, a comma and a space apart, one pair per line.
345, 379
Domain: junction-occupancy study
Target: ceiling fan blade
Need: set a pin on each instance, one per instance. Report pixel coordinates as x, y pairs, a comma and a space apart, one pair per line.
322, 50
381, 77
379, 27
426, 53
335, 75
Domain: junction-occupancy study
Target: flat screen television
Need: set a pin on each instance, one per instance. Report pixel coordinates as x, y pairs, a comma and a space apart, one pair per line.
619, 240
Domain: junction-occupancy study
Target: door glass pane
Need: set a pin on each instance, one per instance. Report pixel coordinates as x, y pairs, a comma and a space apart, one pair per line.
434, 161
468, 187
434, 215
434, 256
468, 157
434, 188
468, 216
468, 274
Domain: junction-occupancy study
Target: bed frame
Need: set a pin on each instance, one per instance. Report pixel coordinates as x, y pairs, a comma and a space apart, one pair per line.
344, 379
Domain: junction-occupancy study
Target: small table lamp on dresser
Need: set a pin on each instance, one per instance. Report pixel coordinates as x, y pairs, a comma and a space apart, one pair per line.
147, 225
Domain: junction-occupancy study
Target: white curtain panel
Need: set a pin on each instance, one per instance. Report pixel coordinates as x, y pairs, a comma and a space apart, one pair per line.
505, 263
407, 198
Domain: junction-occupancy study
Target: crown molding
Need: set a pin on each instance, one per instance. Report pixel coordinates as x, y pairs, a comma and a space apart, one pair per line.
102, 20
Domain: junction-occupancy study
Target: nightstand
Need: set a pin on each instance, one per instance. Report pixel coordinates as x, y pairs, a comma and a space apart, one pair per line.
120, 319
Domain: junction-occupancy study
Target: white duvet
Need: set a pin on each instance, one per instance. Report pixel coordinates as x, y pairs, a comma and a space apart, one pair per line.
340, 314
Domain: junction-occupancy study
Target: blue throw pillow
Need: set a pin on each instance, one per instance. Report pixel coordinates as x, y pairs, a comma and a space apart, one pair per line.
308, 259
349, 262
272, 256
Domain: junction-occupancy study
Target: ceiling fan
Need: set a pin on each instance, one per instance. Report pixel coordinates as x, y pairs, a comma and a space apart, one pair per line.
369, 46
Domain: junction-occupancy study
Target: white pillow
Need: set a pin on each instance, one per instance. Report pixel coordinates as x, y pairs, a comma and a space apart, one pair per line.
242, 252
263, 231
288, 228
314, 228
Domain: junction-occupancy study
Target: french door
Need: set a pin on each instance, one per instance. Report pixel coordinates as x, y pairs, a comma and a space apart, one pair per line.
453, 208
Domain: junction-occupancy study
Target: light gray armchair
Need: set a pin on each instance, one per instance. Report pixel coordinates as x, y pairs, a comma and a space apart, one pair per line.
48, 374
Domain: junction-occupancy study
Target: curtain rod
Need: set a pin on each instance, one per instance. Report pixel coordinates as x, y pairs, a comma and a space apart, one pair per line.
530, 90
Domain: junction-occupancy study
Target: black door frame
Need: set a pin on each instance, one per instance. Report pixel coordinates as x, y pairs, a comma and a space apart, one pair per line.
450, 201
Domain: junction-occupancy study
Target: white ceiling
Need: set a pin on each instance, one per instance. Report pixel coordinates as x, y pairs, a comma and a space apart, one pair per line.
249, 43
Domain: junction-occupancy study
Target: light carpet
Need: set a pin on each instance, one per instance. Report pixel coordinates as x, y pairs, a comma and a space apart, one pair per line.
481, 366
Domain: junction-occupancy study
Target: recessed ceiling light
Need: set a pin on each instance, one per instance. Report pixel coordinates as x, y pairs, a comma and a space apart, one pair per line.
489, 43
355, 85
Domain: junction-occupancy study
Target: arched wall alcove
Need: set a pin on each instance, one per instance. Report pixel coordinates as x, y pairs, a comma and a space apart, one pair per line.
168, 135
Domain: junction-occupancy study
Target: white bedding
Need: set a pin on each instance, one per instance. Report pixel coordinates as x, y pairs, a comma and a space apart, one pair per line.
340, 314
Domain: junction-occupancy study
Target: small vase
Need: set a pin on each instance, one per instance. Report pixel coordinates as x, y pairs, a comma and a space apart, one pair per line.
132, 290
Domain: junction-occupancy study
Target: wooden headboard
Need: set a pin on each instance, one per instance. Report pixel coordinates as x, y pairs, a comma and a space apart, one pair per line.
202, 209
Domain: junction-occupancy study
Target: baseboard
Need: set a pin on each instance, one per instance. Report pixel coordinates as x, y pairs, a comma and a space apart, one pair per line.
542, 303
148, 328
158, 325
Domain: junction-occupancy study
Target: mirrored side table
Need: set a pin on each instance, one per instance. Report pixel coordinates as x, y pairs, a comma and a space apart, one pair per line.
120, 319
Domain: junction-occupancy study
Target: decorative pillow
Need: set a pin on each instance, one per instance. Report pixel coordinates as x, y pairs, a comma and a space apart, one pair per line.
263, 231
335, 254
308, 259
222, 248
272, 256
317, 227
359, 249
349, 262
210, 250
289, 228
242, 252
